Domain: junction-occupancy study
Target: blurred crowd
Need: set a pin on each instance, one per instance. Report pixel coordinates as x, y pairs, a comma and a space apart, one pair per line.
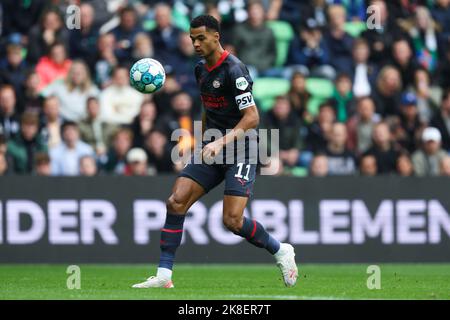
67, 108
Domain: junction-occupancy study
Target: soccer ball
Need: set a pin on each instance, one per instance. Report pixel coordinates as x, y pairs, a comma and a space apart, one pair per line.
147, 75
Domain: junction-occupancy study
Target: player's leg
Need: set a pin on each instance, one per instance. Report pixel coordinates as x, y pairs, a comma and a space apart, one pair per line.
184, 193
239, 180
251, 230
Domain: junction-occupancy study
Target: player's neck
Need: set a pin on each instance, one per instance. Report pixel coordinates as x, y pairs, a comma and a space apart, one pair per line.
212, 59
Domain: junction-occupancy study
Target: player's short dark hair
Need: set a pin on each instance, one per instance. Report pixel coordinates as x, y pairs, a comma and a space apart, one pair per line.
207, 21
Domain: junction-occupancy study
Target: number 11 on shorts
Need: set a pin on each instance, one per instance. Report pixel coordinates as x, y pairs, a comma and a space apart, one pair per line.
239, 173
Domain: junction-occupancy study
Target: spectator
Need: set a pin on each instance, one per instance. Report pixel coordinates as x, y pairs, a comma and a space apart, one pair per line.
165, 35
319, 166
137, 163
106, 59
254, 41
73, 92
338, 41
3, 165
182, 117
382, 37
42, 164
50, 30
88, 166
93, 130
426, 104
119, 103
116, 157
341, 161
309, 54
82, 41
441, 15
21, 18
66, 156
126, 32
363, 71
144, 122
319, 130
281, 117
368, 166
185, 63
158, 151
54, 66
444, 166
404, 60
51, 121
163, 98
405, 167
23, 147
30, 99
9, 121
360, 126
14, 68
441, 120
426, 160
299, 97
383, 149
424, 38
409, 123
343, 98
142, 47
387, 92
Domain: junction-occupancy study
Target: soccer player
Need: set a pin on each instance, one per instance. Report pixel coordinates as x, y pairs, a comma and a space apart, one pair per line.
225, 87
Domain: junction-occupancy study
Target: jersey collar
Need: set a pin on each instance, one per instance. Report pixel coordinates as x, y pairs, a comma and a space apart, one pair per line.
219, 62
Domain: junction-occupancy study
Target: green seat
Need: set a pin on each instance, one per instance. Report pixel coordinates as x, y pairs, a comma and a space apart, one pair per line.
320, 90
299, 172
313, 105
266, 89
319, 87
355, 28
181, 20
283, 34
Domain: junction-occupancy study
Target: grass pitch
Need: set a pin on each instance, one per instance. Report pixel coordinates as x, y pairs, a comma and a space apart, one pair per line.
222, 282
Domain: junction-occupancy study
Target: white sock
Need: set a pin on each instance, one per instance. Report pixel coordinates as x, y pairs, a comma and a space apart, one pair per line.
164, 273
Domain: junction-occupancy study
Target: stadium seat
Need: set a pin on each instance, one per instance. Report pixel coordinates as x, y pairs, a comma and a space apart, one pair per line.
320, 90
355, 28
319, 87
299, 172
283, 33
266, 89
314, 104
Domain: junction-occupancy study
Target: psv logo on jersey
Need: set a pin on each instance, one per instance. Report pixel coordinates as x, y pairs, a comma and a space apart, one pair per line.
244, 100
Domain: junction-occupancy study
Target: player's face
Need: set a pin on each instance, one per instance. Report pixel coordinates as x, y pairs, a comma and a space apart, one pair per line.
205, 41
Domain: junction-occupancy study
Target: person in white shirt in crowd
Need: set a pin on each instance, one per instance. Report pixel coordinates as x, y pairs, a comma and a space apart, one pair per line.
65, 158
120, 103
364, 72
427, 160
73, 92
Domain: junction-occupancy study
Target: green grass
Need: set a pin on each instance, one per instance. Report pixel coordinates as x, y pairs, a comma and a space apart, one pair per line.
221, 282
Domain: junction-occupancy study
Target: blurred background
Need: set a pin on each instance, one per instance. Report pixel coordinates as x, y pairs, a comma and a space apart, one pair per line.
349, 97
